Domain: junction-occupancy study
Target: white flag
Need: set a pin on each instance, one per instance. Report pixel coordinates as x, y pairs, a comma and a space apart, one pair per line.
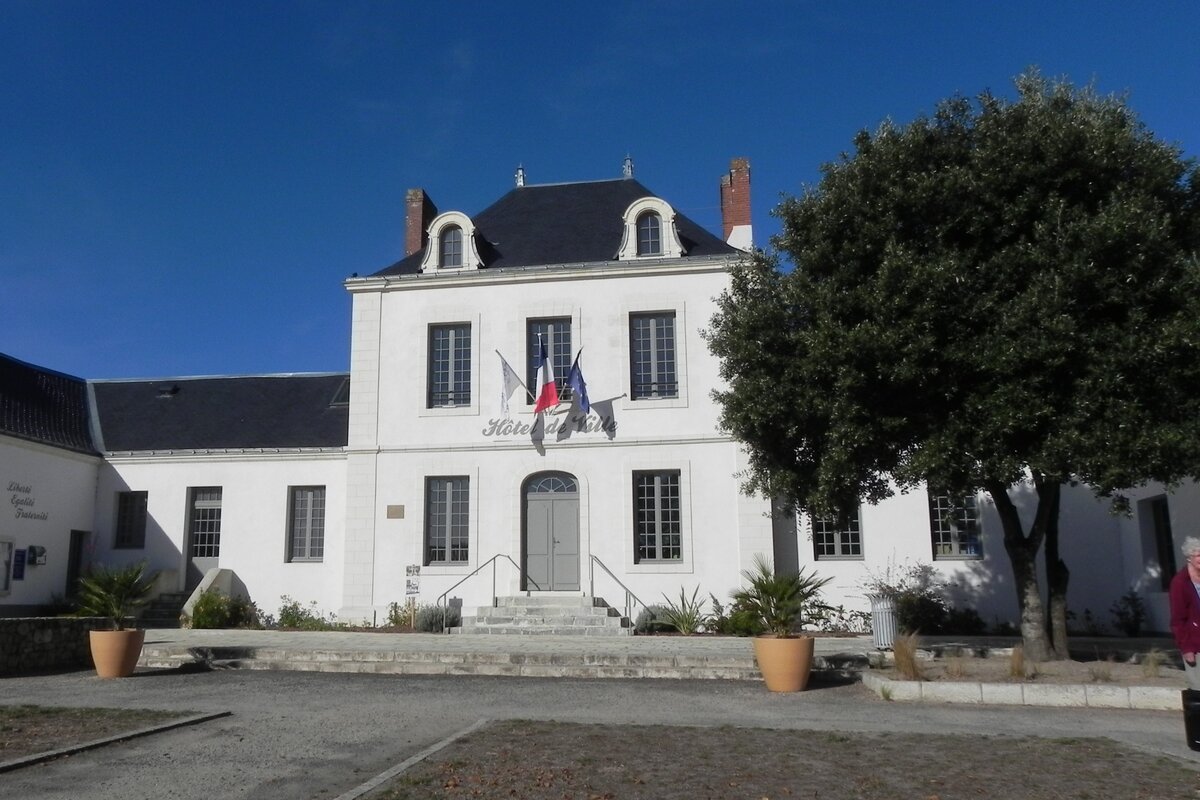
509, 383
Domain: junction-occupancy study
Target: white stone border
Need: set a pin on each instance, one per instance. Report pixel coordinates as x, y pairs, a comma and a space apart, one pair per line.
1144, 698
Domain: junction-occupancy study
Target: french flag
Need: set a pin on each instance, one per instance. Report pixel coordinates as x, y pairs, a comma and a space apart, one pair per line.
547, 390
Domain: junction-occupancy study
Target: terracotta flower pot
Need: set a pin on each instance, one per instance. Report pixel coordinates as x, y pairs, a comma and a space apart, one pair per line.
115, 653
785, 663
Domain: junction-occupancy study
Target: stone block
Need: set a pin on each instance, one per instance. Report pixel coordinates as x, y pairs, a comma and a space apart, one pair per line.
1100, 696
1002, 694
951, 692
1155, 698
1060, 696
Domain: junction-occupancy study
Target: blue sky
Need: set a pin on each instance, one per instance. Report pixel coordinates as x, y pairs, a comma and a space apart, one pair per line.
184, 186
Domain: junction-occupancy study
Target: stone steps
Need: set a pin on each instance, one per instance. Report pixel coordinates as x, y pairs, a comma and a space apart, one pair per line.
163, 611
546, 615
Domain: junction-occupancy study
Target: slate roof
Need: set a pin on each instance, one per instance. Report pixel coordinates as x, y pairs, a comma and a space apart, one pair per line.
44, 406
567, 223
284, 411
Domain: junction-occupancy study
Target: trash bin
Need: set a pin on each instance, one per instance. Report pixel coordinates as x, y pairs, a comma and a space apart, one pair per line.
883, 621
1191, 717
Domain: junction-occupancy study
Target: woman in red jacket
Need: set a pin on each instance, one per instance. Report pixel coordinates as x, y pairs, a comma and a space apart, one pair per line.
1185, 610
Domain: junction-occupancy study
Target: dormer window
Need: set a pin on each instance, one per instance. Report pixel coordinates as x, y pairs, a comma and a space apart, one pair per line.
451, 244
649, 234
450, 248
649, 231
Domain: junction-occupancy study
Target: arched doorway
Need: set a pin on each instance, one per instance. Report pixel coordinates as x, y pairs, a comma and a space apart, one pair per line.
551, 540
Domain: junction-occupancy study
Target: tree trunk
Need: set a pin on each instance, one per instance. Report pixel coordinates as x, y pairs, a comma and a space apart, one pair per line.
1022, 552
1057, 574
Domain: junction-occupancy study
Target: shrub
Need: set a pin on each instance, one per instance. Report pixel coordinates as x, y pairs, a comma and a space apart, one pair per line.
739, 621
216, 610
918, 593
429, 619
964, 622
211, 611
402, 616
780, 600
1129, 613
652, 619
836, 619
915, 612
688, 616
297, 617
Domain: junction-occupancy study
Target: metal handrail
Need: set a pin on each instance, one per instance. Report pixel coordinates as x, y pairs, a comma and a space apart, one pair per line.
444, 595
628, 592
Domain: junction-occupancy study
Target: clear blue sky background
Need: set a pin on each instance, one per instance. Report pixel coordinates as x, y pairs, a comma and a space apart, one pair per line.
185, 185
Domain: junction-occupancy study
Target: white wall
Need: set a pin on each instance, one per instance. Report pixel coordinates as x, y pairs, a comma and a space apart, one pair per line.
400, 442
254, 518
46, 492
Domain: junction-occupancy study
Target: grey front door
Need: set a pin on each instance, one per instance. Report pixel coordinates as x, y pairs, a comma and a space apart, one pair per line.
552, 532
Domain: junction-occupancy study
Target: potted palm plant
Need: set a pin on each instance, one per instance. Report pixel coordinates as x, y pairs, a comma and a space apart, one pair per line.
779, 600
115, 594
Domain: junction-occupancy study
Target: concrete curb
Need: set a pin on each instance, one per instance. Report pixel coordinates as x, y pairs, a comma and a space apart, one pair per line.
37, 758
1144, 698
390, 774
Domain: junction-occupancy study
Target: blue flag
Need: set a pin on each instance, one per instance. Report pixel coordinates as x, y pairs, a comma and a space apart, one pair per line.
579, 386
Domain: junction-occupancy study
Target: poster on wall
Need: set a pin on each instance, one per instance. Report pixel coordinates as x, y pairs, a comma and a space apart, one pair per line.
412, 585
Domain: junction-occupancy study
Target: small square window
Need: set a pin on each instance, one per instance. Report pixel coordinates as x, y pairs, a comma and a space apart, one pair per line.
833, 539
954, 526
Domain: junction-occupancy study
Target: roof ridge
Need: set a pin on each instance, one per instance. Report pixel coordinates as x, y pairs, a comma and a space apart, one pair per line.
330, 374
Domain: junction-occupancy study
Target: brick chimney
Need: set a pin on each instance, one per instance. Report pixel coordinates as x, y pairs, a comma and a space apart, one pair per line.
419, 211
735, 205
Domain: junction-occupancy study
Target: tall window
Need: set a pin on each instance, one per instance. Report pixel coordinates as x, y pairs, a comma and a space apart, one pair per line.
450, 247
449, 365
306, 529
954, 525
447, 533
205, 526
649, 233
131, 520
556, 335
657, 522
652, 356
834, 539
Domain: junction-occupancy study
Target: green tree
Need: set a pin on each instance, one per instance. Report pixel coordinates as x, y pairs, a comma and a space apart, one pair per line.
1004, 296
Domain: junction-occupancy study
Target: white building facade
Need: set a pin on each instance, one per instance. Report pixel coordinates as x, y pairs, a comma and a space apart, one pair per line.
416, 475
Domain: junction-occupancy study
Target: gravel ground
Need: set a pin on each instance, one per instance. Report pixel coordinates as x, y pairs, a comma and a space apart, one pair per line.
317, 735
552, 761
27, 730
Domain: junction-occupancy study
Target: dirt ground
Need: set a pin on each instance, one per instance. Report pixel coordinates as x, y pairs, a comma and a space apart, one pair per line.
552, 761
26, 730
998, 669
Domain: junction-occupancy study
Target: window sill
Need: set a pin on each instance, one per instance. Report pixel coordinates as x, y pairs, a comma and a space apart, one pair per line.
665, 567
644, 403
